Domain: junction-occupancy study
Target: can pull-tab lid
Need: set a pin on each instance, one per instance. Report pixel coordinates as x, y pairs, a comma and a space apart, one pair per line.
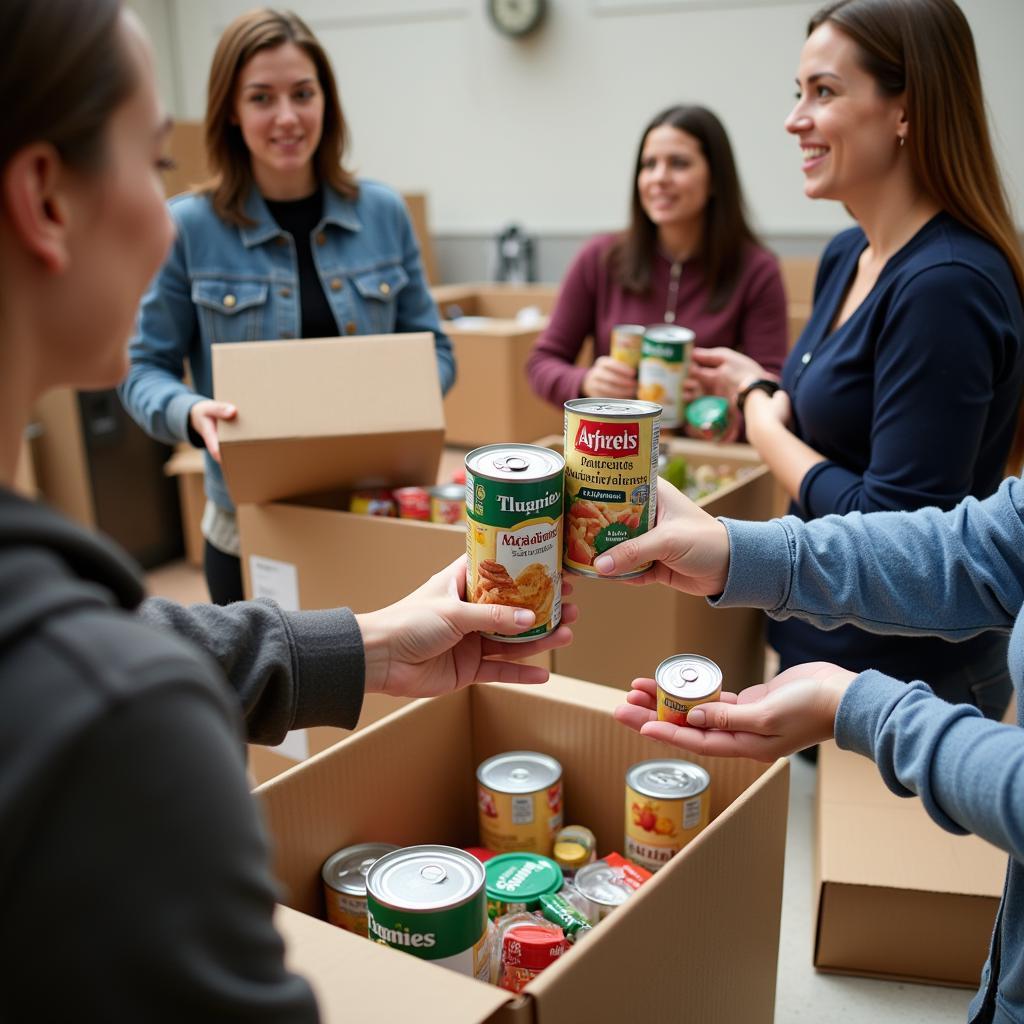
433, 873
690, 675
519, 774
512, 464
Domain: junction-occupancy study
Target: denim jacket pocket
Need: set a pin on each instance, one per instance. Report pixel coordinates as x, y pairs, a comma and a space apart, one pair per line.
378, 291
231, 310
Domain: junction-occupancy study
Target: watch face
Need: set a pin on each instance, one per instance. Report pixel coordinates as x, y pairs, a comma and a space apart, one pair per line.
516, 17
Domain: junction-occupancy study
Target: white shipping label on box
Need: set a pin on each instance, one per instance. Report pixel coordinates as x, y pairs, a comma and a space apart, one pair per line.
277, 580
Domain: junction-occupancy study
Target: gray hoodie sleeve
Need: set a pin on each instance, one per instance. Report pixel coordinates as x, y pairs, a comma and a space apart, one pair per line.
291, 670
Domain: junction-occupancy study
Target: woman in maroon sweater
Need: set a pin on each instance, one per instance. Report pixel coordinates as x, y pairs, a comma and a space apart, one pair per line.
688, 257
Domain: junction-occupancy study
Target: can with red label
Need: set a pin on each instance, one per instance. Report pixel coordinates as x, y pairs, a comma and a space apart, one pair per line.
611, 472
448, 504
413, 503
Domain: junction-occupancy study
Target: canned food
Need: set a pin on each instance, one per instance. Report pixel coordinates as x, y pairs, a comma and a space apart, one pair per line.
600, 887
413, 503
667, 804
344, 877
707, 418
574, 847
448, 504
558, 910
626, 342
372, 503
514, 543
430, 901
684, 681
664, 364
516, 882
611, 467
519, 795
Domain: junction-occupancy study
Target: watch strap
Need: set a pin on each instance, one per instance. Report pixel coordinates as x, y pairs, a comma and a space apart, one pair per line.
769, 387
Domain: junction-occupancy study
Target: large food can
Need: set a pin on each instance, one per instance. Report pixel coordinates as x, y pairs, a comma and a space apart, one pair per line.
611, 470
668, 802
626, 342
684, 681
344, 877
514, 543
519, 796
664, 363
430, 901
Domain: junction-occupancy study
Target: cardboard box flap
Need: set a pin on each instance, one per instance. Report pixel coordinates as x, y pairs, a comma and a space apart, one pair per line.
328, 413
332, 959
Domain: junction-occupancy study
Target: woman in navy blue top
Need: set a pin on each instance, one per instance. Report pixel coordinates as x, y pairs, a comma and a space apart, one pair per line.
904, 389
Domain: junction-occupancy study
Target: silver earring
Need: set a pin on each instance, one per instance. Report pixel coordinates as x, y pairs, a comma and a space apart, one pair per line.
903, 141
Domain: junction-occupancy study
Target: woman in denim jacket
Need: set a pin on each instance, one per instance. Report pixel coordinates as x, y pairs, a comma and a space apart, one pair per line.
282, 242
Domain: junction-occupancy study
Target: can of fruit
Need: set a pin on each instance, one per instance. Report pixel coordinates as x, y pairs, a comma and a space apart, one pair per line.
684, 681
707, 418
664, 364
413, 503
668, 802
519, 796
625, 343
516, 882
611, 469
514, 541
344, 877
448, 504
430, 901
372, 503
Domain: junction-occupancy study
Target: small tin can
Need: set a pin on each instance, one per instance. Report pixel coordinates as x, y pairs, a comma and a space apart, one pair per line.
601, 887
574, 847
516, 882
372, 503
707, 418
668, 802
625, 343
519, 795
684, 681
611, 469
344, 877
413, 503
664, 364
448, 504
430, 901
514, 541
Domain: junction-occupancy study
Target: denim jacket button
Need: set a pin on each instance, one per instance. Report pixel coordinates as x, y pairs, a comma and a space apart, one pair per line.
335, 284
350, 327
285, 293
229, 301
321, 238
281, 240
385, 288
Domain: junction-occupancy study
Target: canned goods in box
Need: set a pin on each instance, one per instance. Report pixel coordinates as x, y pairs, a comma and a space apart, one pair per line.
413, 503
611, 469
667, 803
344, 877
664, 364
684, 681
372, 503
574, 847
625, 343
430, 902
516, 882
514, 541
600, 887
519, 795
448, 504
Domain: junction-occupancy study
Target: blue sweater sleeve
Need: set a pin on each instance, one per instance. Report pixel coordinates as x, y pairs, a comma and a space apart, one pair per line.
938, 359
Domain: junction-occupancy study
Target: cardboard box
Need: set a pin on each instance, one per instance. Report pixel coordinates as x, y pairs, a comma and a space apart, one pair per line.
328, 413
24, 470
187, 465
416, 203
896, 896
492, 401
798, 274
61, 467
712, 911
624, 632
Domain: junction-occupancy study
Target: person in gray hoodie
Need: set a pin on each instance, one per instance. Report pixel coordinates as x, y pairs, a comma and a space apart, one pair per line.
134, 873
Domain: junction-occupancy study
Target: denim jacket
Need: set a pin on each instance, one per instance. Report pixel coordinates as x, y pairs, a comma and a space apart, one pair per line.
949, 574
224, 283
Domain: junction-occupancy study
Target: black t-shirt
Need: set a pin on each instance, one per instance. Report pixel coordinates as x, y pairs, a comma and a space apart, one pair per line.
299, 217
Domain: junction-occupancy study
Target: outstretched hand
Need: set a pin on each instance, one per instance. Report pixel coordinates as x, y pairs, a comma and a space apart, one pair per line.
429, 643
794, 710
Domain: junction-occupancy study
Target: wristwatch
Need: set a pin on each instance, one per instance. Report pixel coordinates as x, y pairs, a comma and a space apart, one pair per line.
769, 387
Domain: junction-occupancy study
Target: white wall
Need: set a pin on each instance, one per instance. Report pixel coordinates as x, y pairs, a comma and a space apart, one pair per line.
544, 130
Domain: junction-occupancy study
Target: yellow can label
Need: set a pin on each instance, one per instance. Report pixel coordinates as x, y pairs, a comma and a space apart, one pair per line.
520, 822
348, 912
656, 830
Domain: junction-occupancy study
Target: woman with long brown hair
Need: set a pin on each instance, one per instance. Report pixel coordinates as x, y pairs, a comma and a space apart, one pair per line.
282, 242
688, 257
904, 389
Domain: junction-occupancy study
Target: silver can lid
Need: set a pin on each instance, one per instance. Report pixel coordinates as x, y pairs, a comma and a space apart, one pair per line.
689, 676
422, 878
629, 329
668, 779
345, 871
671, 334
514, 462
519, 771
613, 408
602, 883
448, 492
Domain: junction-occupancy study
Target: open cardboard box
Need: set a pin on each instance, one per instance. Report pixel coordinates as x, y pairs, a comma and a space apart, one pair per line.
492, 401
410, 778
897, 897
186, 465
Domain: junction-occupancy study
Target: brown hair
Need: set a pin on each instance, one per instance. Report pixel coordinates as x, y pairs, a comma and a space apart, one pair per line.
925, 50
726, 232
226, 152
66, 71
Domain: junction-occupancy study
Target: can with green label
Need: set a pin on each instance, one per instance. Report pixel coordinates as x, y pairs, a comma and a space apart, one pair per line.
516, 882
664, 364
707, 418
430, 901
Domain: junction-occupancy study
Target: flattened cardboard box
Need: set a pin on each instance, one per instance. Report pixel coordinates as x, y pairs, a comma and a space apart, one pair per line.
897, 896
410, 779
327, 413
